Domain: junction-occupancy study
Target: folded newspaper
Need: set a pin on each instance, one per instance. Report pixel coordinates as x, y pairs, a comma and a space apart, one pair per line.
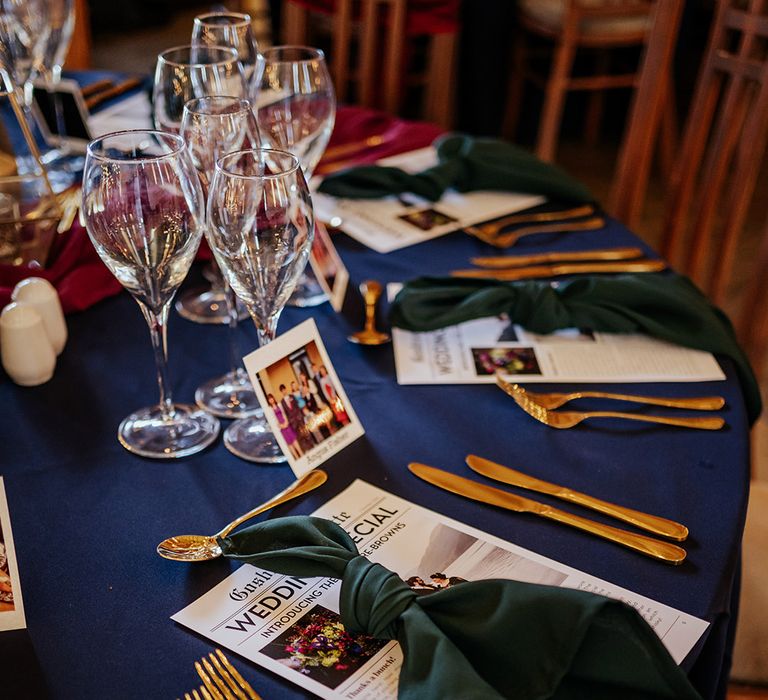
291, 625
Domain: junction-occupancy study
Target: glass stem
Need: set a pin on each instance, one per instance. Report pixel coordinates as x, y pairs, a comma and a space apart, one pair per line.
234, 351
266, 330
157, 331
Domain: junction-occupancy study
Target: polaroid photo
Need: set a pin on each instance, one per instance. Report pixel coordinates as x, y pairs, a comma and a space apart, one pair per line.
302, 397
329, 270
11, 607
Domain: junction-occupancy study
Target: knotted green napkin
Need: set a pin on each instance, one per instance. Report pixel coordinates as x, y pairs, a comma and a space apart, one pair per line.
665, 306
477, 640
465, 163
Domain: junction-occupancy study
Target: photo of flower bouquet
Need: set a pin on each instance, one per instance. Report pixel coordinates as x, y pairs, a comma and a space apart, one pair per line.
320, 647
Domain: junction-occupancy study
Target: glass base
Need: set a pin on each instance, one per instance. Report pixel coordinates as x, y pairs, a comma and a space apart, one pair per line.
229, 396
206, 305
190, 430
251, 439
308, 292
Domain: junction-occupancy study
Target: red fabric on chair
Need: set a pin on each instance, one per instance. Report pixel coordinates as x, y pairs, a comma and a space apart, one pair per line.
422, 17
80, 277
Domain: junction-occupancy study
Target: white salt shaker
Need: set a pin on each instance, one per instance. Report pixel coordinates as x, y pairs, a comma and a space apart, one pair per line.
40, 294
25, 349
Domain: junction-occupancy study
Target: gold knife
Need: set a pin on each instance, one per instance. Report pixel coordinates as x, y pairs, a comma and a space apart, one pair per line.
504, 261
645, 521
564, 269
664, 551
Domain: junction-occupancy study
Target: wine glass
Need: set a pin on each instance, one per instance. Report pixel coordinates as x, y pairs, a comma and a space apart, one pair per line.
296, 109
230, 29
212, 127
184, 73
260, 228
144, 212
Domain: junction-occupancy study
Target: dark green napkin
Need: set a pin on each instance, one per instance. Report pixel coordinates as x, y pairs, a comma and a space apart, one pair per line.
465, 163
477, 640
665, 306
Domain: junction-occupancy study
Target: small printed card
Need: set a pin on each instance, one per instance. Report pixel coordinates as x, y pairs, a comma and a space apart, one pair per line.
392, 223
302, 397
11, 607
328, 267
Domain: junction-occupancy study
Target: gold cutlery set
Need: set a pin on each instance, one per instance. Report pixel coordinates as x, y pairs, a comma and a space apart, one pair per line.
657, 549
509, 268
495, 233
540, 407
221, 680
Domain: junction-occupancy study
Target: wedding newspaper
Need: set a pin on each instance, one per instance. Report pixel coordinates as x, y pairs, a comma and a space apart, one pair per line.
474, 351
391, 223
291, 625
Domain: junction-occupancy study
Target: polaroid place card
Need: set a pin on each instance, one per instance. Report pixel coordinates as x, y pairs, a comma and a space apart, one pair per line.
11, 607
302, 397
330, 271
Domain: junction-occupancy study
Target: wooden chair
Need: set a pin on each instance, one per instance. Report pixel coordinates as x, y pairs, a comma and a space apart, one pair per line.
722, 148
383, 29
573, 25
79, 56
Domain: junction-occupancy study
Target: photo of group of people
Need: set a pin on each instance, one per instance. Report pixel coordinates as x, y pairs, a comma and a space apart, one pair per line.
437, 582
328, 267
508, 360
304, 399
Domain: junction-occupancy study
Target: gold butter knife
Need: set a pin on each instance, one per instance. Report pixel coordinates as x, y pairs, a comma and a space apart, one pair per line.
645, 521
563, 269
664, 551
504, 261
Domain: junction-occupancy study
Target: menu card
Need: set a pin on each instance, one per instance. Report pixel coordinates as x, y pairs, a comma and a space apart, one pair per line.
11, 607
393, 222
474, 351
276, 620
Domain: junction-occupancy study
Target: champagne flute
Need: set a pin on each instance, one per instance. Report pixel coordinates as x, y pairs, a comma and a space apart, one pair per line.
23, 35
212, 127
184, 73
260, 228
230, 29
144, 212
296, 110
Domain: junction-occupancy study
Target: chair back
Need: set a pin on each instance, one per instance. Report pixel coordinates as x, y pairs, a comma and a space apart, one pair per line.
646, 117
381, 30
722, 150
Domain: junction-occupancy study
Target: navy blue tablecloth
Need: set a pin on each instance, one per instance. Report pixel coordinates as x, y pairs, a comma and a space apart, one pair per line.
87, 514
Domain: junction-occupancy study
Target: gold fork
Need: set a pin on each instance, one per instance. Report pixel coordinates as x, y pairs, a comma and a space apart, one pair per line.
493, 227
221, 680
505, 240
568, 419
555, 400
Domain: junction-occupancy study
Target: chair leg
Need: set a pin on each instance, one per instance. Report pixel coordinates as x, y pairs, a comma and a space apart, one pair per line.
367, 79
342, 36
439, 101
393, 68
594, 116
515, 88
668, 134
294, 22
557, 86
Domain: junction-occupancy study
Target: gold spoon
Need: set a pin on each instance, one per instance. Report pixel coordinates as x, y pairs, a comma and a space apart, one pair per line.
204, 547
371, 291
